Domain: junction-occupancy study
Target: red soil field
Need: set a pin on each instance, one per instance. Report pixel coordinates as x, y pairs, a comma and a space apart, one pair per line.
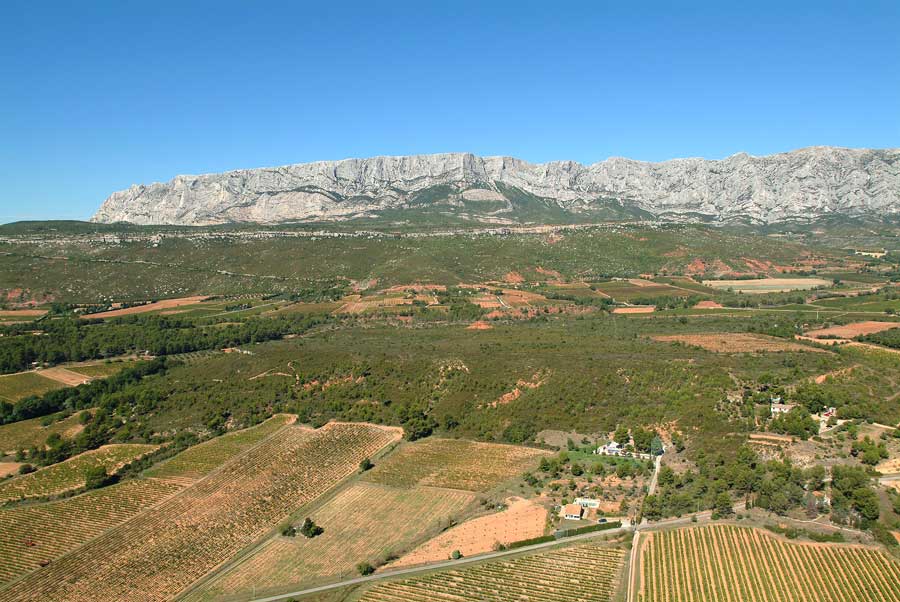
164, 304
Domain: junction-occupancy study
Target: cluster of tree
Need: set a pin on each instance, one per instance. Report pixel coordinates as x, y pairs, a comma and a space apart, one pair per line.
308, 529
868, 451
776, 486
888, 338
797, 423
853, 500
76, 340
641, 440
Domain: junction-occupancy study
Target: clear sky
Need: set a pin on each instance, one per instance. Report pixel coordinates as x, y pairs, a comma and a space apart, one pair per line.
98, 95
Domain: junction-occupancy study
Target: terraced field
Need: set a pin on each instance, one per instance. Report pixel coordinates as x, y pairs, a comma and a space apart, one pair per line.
734, 564
27, 433
160, 552
362, 523
38, 534
198, 461
454, 464
586, 573
69, 475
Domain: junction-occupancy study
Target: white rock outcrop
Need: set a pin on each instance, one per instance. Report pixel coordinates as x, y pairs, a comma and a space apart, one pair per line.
802, 184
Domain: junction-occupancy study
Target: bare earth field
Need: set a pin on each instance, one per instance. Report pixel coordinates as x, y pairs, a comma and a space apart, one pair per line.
64, 376
140, 309
849, 331
644, 309
768, 285
522, 519
736, 342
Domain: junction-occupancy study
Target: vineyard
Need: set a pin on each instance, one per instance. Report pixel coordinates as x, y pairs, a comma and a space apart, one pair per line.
735, 564
455, 464
38, 534
69, 475
587, 573
28, 433
14, 387
160, 552
199, 460
361, 524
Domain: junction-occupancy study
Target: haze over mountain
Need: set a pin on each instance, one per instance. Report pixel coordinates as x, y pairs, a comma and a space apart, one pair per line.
800, 185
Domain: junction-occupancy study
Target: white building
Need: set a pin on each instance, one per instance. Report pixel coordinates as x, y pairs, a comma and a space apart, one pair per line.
586, 502
610, 449
781, 408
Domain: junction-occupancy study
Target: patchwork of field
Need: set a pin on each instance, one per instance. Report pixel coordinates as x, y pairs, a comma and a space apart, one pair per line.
637, 288
69, 475
160, 552
522, 519
736, 342
14, 387
768, 285
849, 331
148, 307
586, 573
363, 523
454, 464
27, 433
199, 460
35, 535
728, 563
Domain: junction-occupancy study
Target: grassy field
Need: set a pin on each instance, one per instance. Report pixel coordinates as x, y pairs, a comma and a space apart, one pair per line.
160, 552
14, 387
454, 464
40, 533
586, 573
199, 460
69, 475
364, 523
28, 433
101, 369
726, 563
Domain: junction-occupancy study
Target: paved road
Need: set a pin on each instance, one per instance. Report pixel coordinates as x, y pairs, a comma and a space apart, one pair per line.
440, 565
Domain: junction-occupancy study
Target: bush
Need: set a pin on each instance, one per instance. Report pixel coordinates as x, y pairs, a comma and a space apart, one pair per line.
456, 555
364, 568
365, 465
26, 468
310, 529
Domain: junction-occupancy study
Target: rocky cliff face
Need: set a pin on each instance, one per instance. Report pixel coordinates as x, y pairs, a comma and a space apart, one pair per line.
803, 184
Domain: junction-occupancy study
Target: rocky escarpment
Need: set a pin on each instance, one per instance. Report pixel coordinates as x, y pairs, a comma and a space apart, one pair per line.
803, 184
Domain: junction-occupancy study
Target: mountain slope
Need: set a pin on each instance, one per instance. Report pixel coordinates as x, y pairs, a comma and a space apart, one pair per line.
803, 184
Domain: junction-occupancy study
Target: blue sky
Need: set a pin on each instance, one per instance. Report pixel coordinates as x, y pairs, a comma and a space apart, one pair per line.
96, 96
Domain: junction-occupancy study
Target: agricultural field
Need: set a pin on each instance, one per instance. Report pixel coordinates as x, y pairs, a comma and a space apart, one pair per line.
28, 433
584, 573
768, 285
196, 462
364, 523
522, 519
69, 475
100, 369
638, 288
454, 464
853, 330
36, 534
160, 552
165, 304
14, 387
736, 342
727, 563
